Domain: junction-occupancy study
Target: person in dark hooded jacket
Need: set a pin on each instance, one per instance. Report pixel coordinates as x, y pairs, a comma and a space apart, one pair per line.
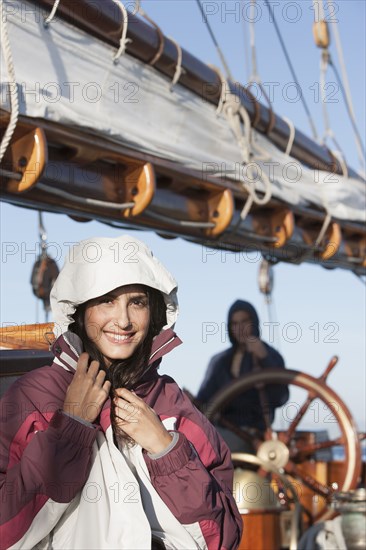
247, 354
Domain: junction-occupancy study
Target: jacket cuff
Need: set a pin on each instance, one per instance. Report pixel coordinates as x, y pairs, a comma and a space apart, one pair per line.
69, 428
81, 420
172, 444
177, 458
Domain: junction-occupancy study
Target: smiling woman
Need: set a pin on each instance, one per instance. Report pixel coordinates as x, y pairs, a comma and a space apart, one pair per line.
101, 418
117, 323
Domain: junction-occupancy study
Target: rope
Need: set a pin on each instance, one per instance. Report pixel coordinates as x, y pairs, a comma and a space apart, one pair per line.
312, 248
319, 8
359, 277
10, 174
323, 69
320, 237
338, 155
47, 21
14, 102
359, 144
219, 51
178, 69
160, 50
183, 223
42, 234
254, 76
236, 114
85, 201
124, 40
291, 137
246, 52
311, 122
346, 91
328, 131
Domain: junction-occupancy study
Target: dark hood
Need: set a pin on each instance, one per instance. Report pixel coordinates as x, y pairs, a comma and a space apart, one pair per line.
241, 305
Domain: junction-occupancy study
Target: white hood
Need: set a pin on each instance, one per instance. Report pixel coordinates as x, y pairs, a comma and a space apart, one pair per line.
98, 265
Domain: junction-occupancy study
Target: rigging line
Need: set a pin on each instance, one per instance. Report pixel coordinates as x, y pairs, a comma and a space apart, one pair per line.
346, 90
246, 52
254, 77
12, 84
324, 64
358, 139
219, 51
292, 70
359, 277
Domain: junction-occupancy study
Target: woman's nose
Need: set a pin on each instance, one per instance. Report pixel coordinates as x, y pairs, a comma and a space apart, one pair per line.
121, 317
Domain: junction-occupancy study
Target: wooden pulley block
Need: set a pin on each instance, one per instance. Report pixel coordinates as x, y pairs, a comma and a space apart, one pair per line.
220, 207
321, 34
26, 157
277, 223
139, 187
330, 243
44, 274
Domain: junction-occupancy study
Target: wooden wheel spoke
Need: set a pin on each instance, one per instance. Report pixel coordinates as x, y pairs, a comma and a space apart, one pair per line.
307, 450
308, 480
249, 437
298, 446
296, 421
265, 407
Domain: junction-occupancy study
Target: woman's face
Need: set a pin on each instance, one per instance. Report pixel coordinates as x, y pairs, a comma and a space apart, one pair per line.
118, 322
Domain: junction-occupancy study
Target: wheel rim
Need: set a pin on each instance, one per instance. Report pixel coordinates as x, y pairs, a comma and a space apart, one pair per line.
317, 389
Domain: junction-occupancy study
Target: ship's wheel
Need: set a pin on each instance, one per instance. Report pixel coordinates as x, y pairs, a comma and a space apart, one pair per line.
284, 449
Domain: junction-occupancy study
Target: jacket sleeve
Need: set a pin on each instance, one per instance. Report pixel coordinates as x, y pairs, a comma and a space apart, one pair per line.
195, 480
44, 456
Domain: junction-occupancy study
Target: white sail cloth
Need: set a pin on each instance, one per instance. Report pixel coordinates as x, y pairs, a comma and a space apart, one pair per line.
66, 76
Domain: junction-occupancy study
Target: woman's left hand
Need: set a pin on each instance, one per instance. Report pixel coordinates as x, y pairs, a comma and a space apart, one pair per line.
140, 422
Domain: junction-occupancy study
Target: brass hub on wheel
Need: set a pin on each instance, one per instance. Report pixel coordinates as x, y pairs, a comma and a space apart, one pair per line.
274, 452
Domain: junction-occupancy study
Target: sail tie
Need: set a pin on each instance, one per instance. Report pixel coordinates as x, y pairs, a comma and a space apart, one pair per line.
291, 137
141, 11
340, 158
52, 14
123, 40
14, 101
238, 116
178, 69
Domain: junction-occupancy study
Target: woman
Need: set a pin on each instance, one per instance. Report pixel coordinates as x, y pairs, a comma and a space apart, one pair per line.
98, 450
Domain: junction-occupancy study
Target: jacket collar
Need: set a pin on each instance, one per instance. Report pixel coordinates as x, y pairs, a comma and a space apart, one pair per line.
68, 347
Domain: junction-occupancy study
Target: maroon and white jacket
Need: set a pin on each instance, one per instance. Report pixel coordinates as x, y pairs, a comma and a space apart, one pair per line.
65, 484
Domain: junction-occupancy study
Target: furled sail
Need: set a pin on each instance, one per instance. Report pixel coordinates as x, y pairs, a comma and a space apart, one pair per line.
170, 145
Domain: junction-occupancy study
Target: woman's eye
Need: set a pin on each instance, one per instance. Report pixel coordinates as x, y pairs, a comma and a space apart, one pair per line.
139, 302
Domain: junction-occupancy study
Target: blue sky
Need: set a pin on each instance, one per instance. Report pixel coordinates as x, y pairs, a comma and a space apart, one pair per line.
320, 313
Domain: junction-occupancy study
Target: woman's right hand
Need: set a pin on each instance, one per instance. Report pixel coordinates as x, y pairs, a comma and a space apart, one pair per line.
88, 390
